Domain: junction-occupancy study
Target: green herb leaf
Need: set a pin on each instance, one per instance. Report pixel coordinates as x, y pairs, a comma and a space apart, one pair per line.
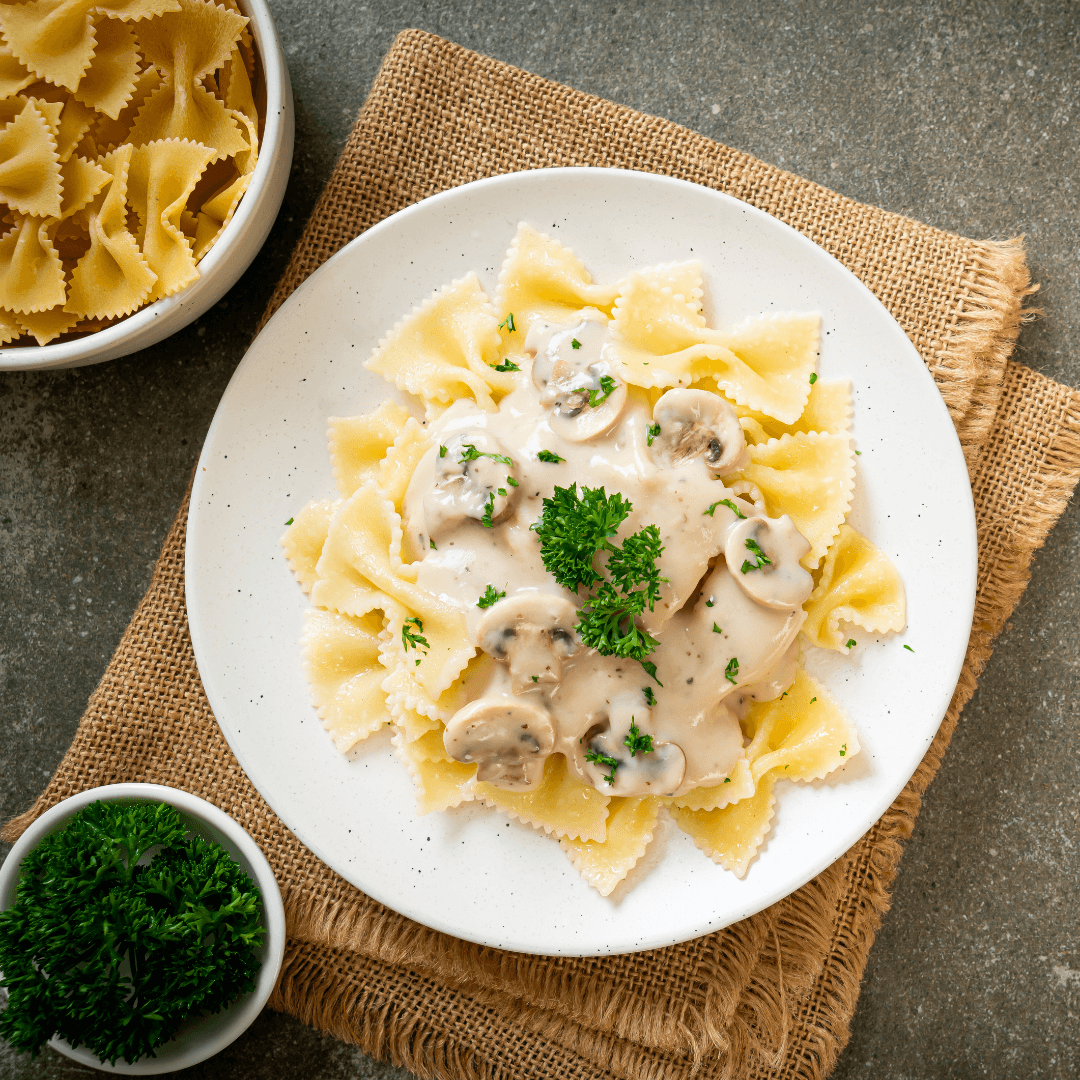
502, 491
813, 377
470, 453
729, 504
731, 672
651, 433
508, 323
512, 482
636, 741
650, 697
843, 750
413, 638
716, 629
859, 452
909, 648
489, 506
650, 669
535, 678
549, 457
575, 344
607, 388
442, 451
491, 596
850, 643
506, 365
289, 522
812, 700
760, 558
727, 780
710, 603
603, 759
432, 544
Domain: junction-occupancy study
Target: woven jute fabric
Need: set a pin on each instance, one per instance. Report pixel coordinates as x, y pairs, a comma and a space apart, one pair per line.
774, 994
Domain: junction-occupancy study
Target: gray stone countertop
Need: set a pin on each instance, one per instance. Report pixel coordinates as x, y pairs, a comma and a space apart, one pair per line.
964, 115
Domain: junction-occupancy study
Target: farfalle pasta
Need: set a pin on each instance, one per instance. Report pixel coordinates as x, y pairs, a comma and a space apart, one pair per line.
576, 566
129, 133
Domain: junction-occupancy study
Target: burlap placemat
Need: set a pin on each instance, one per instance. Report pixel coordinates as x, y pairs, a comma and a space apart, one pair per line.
772, 995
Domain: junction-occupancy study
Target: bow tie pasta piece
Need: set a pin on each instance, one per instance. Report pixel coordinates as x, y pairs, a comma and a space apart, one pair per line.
739, 784
31, 274
113, 277
187, 46
603, 864
561, 805
303, 540
217, 212
359, 443
828, 410
109, 133
9, 328
859, 585
399, 464
29, 163
161, 177
341, 662
359, 552
437, 352
110, 80
245, 46
56, 39
441, 783
542, 279
13, 75
809, 476
44, 326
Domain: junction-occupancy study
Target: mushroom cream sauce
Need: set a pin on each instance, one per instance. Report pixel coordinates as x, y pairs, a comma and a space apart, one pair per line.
729, 610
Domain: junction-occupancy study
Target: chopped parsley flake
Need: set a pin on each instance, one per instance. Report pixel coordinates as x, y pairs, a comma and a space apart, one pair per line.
470, 453
442, 451
724, 502
508, 323
850, 643
812, 700
636, 741
290, 521
650, 667
650, 697
843, 750
413, 639
491, 596
859, 452
502, 491
549, 457
727, 780
512, 482
760, 558
598, 397
506, 365
813, 377
909, 648
605, 760
716, 629
731, 672
651, 433
710, 603
575, 344
432, 544
535, 678
485, 520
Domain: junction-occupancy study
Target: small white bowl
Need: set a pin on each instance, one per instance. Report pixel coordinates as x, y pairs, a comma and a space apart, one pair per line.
200, 1037
227, 259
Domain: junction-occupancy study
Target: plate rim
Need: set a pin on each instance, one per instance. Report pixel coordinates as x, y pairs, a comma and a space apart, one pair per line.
967, 510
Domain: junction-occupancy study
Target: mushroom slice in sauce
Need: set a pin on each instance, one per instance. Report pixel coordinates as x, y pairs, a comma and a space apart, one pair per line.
658, 770
534, 632
698, 424
763, 557
508, 740
465, 477
575, 381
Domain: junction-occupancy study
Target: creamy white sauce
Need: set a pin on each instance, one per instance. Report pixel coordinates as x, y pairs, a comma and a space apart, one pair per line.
726, 634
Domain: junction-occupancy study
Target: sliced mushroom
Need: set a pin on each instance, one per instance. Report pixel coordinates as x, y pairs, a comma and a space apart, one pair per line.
696, 423
534, 632
574, 379
620, 757
763, 557
506, 738
467, 478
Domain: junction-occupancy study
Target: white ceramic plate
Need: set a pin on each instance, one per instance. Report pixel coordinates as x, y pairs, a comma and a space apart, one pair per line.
472, 872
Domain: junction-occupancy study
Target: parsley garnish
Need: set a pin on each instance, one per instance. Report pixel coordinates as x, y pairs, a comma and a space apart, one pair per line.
716, 629
710, 603
859, 452
549, 457
491, 596
724, 502
636, 741
731, 672
606, 760
650, 668
114, 952
598, 397
432, 544
485, 519
575, 344
508, 323
414, 639
727, 780
650, 697
813, 377
760, 558
812, 700
843, 750
909, 648
470, 453
512, 482
290, 521
506, 365
502, 491
442, 451
851, 643
535, 678
651, 433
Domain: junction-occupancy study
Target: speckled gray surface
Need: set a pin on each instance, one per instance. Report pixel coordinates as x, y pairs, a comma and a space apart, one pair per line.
963, 115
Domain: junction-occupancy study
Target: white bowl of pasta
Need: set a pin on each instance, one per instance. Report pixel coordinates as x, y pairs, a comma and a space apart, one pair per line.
600, 739
144, 212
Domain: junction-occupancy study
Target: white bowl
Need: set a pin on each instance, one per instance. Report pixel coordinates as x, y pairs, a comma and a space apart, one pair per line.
227, 259
200, 1037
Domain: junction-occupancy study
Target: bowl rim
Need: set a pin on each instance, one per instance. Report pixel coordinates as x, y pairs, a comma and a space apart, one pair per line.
70, 353
244, 1013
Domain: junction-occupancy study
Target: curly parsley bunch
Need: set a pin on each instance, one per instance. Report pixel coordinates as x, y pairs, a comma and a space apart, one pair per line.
115, 955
